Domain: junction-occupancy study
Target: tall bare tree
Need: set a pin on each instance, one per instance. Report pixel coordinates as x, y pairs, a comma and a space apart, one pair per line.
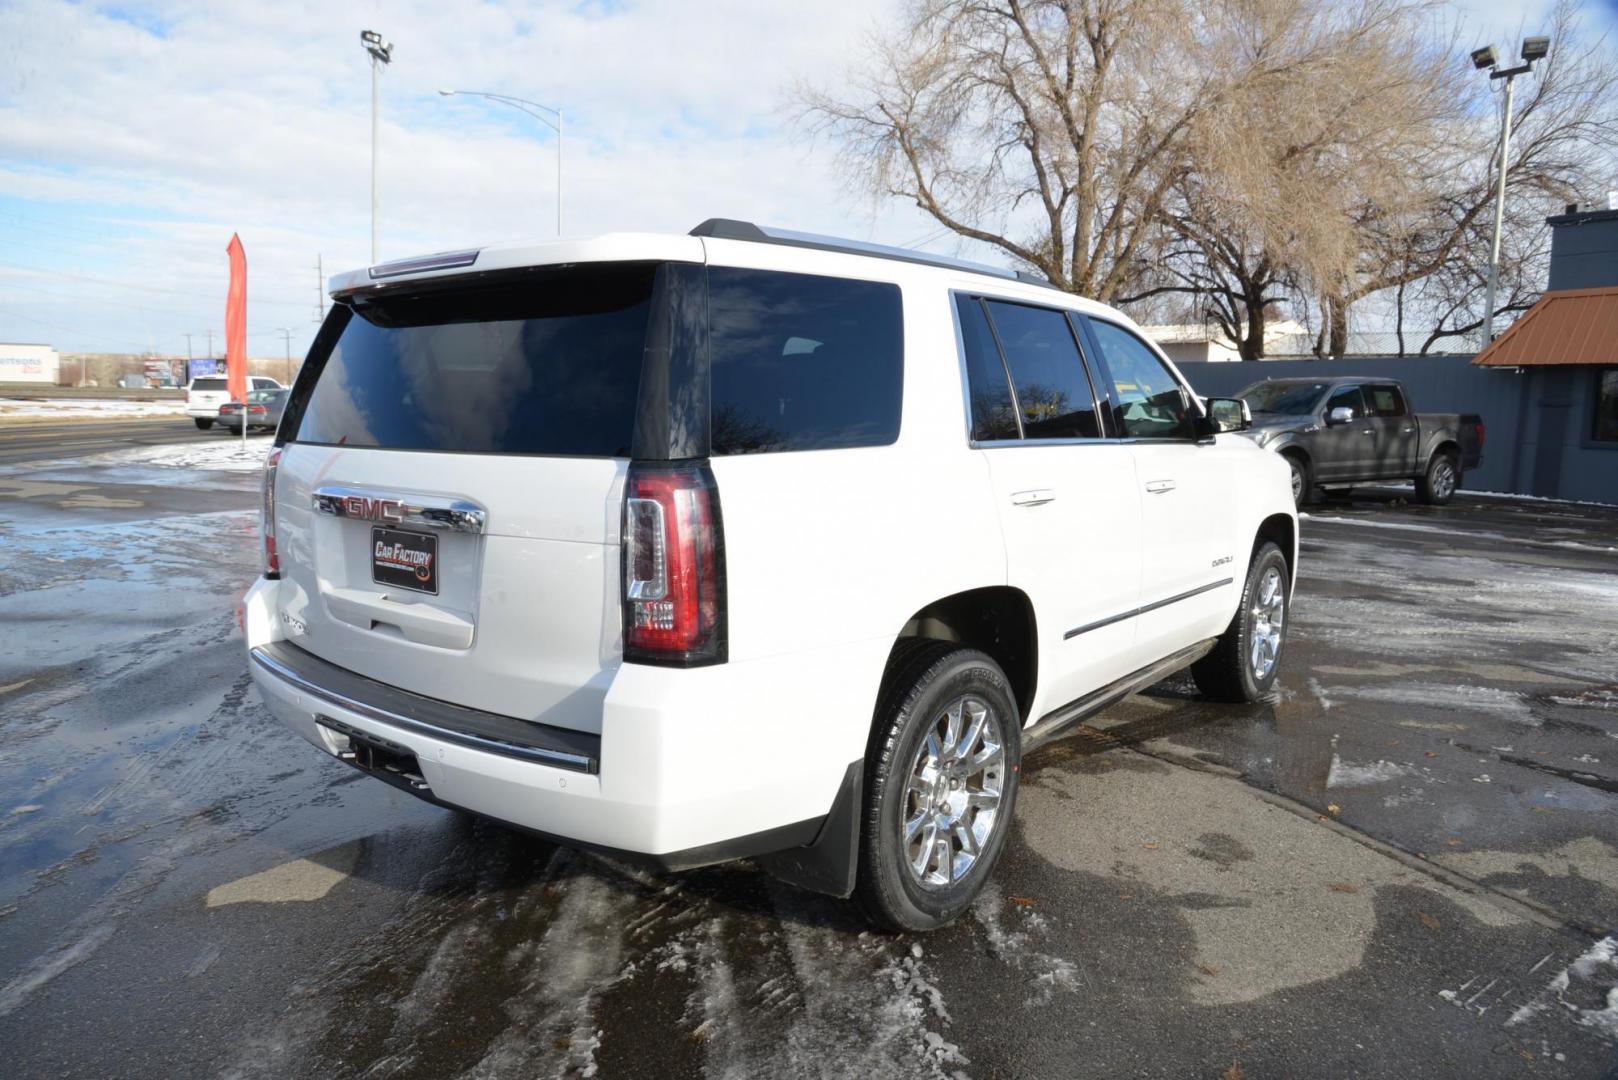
1053, 130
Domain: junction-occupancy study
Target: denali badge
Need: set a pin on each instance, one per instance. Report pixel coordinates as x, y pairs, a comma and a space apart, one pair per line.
1222, 562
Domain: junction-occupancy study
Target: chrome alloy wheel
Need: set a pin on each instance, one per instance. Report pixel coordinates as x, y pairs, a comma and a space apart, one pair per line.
1444, 479
1269, 613
952, 798
1297, 483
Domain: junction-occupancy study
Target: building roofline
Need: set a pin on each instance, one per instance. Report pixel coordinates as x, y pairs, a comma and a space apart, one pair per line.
1582, 217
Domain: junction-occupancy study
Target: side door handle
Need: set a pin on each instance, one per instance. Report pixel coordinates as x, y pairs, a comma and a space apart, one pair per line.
1034, 497
1158, 487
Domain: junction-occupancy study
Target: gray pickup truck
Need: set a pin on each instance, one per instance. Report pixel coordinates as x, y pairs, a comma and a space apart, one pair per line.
1337, 432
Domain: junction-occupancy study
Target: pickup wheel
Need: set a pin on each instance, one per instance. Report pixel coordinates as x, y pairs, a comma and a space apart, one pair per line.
1243, 665
1302, 482
202, 425
1438, 484
941, 787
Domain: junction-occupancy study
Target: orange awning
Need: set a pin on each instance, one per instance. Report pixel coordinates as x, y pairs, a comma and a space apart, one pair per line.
1576, 326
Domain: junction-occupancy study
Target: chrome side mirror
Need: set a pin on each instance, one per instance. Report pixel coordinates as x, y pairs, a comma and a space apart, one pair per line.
1229, 414
1340, 415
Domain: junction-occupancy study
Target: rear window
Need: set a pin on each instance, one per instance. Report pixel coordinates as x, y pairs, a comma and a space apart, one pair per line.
208, 384
802, 362
550, 365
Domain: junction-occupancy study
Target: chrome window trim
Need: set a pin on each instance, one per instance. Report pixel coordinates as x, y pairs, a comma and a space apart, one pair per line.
453, 515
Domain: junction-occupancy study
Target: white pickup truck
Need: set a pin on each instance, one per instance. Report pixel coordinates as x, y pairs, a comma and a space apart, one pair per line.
748, 543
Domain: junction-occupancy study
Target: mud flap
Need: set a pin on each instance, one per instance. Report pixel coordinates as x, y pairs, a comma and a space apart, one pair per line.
828, 863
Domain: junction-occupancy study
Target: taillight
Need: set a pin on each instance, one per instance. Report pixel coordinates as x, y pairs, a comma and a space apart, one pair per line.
1479, 426
258, 408
272, 560
674, 573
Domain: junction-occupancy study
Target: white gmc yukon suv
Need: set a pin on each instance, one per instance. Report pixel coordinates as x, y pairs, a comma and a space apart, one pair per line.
749, 543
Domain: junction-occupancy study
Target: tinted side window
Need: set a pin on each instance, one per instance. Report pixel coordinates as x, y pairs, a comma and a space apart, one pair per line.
803, 362
1346, 397
1148, 402
1053, 392
1386, 400
994, 416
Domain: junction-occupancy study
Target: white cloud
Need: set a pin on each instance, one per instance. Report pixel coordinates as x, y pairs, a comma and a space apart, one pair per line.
128, 155
134, 139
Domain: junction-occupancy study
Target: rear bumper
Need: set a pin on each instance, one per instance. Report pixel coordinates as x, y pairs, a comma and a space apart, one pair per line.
691, 767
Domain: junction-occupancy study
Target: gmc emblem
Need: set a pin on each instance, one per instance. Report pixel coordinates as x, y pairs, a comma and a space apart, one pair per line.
361, 506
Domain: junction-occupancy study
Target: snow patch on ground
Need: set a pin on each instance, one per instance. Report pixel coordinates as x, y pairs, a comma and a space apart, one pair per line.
1596, 970
81, 408
1347, 774
1048, 975
223, 455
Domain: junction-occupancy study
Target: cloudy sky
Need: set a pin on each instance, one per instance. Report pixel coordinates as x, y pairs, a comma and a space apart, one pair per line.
135, 138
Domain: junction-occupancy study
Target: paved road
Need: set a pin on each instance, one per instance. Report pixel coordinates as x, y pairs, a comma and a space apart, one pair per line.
185, 889
70, 439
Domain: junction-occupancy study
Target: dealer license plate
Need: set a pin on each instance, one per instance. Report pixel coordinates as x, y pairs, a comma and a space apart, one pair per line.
405, 559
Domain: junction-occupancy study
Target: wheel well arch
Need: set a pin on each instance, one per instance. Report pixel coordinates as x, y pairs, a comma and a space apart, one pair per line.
997, 620
1297, 451
1446, 446
1282, 531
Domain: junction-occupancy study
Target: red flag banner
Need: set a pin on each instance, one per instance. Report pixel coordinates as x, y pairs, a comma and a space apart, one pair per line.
236, 322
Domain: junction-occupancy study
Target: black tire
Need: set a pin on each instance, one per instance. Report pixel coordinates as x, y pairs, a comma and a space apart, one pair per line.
1303, 483
1441, 480
202, 425
925, 682
1228, 673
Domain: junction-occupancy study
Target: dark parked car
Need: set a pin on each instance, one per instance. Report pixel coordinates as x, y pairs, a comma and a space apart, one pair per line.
264, 409
1336, 432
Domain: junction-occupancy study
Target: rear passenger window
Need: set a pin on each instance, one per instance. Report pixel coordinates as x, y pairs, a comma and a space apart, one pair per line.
1148, 402
994, 415
802, 362
1385, 400
1047, 372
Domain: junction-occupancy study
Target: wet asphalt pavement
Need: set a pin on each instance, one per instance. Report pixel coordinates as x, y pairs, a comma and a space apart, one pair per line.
1406, 864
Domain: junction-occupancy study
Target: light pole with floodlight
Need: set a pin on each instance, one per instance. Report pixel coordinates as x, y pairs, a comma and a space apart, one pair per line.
380, 54
538, 112
1533, 48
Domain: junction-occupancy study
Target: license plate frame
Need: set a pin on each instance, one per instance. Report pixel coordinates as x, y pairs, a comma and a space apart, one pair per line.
404, 559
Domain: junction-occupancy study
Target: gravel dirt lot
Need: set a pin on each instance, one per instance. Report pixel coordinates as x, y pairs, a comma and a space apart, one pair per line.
1404, 865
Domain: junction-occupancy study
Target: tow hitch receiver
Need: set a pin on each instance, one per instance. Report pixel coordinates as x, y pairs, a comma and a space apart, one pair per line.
383, 758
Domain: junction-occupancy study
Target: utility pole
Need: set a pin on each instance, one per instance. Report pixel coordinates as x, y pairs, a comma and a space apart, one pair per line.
320, 291
286, 341
210, 344
380, 54
188, 351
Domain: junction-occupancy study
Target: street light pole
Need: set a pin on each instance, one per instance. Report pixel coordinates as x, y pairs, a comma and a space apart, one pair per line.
538, 112
1499, 217
1533, 49
380, 54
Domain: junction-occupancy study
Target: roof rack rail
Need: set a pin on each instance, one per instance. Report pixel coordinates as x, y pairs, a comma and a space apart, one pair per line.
731, 229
